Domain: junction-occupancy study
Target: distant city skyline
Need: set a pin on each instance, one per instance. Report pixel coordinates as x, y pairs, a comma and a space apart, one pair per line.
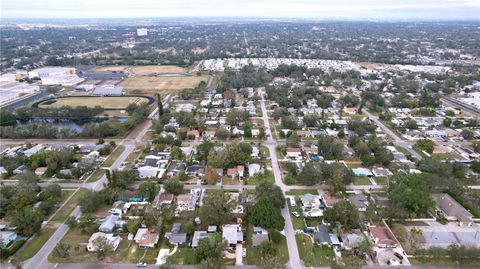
308, 9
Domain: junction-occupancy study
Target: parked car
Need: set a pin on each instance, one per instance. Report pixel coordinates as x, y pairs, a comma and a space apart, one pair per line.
398, 255
244, 252
295, 213
142, 264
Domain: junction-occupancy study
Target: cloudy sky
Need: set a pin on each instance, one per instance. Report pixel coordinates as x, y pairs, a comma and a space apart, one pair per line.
311, 9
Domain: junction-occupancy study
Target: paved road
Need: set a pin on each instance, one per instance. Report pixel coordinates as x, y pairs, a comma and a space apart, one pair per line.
40, 259
294, 257
396, 139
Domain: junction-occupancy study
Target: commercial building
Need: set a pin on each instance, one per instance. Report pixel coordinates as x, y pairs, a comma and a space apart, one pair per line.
108, 90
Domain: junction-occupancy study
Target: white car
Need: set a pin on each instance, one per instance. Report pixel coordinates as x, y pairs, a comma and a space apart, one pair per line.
142, 264
295, 213
244, 252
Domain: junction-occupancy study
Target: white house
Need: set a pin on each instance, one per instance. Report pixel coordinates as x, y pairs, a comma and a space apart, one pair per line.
112, 240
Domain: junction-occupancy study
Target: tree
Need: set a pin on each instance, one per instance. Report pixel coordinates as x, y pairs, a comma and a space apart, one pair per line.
7, 118
222, 134
409, 196
209, 247
425, 144
148, 190
211, 176
210, 263
91, 201
247, 130
265, 215
153, 217
310, 175
159, 100
475, 166
61, 250
133, 226
173, 186
343, 213
102, 247
27, 220
216, 209
271, 193
467, 134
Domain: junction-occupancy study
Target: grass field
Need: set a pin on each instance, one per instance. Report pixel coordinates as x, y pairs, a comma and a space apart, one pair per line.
163, 85
92, 101
143, 70
65, 211
36, 243
302, 191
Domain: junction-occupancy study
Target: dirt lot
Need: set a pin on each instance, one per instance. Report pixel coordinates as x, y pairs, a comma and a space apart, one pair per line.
106, 102
151, 85
143, 70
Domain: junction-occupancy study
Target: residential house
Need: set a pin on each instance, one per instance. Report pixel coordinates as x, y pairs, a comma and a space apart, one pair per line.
362, 172
175, 237
119, 208
352, 240
7, 237
382, 237
111, 239
381, 172
31, 151
195, 170
452, 210
197, 236
259, 236
110, 223
359, 200
254, 168
40, 171
188, 201
146, 238
232, 233
311, 206
163, 199
294, 153
322, 235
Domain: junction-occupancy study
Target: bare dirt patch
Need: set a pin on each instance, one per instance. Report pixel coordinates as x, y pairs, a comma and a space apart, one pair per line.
163, 85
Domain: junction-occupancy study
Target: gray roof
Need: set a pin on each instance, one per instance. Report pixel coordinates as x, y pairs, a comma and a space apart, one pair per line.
197, 236
108, 90
322, 236
358, 200
452, 208
175, 239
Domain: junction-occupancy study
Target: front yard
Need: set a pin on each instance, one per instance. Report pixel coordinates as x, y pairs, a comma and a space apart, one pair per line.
311, 254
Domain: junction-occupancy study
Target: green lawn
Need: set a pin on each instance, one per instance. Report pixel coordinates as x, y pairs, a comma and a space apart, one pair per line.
65, 211
96, 175
297, 222
302, 192
473, 263
361, 181
257, 179
311, 254
183, 256
36, 243
253, 254
113, 156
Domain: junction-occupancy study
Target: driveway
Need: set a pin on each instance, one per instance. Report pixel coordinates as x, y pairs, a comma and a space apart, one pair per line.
238, 254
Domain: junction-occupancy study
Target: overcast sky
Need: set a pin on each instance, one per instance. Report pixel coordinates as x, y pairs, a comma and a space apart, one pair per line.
310, 9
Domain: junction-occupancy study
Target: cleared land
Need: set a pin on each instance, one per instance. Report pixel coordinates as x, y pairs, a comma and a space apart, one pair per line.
92, 101
163, 85
143, 70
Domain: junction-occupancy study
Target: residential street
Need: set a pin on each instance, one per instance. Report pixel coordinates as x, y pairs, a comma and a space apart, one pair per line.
294, 257
398, 141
